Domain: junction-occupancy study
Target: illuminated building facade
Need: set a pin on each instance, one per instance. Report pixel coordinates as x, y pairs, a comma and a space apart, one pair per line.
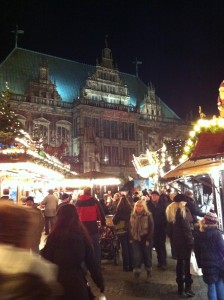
92, 117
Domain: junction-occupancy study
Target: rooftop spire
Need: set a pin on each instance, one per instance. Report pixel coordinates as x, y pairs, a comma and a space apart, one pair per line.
137, 62
17, 32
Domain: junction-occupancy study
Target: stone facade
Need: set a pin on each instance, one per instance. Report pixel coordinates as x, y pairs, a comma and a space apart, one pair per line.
101, 128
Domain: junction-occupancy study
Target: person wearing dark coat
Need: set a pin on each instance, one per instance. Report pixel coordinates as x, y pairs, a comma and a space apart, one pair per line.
69, 247
191, 205
157, 206
181, 237
209, 252
121, 221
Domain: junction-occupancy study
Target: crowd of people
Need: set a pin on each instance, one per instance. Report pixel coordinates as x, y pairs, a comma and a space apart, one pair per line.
142, 222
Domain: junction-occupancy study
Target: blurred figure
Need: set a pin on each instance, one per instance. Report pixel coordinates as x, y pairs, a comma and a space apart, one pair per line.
65, 199
38, 221
90, 212
136, 197
191, 205
50, 204
22, 200
180, 234
5, 195
114, 203
209, 252
121, 220
69, 246
157, 206
104, 206
141, 238
23, 275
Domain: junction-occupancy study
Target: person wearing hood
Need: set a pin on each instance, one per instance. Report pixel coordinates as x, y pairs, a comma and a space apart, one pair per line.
23, 274
179, 231
209, 252
90, 212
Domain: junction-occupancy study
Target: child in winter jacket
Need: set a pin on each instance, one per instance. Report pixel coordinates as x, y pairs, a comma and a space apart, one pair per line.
209, 252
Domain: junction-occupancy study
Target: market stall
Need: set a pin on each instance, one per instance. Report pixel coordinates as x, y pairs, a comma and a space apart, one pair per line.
203, 158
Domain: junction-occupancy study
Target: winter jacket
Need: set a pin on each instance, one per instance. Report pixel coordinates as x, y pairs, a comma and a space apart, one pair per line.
18, 267
122, 215
209, 252
71, 254
146, 226
180, 234
158, 212
90, 211
51, 204
191, 205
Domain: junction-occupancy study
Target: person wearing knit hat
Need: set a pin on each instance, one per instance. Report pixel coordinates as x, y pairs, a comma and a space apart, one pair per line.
65, 199
181, 237
209, 252
179, 198
211, 218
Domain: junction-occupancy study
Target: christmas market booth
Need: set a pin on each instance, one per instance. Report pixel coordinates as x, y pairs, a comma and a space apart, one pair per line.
202, 165
25, 169
24, 165
100, 182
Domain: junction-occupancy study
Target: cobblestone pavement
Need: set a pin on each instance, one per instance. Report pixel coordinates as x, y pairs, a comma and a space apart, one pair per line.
120, 284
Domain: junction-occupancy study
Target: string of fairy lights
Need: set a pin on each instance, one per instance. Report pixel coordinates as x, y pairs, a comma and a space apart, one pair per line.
156, 163
203, 125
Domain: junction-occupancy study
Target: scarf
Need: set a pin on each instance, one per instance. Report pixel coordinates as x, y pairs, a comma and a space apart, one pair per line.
137, 225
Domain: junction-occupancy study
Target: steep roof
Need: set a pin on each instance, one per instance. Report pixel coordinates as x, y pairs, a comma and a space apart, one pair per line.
22, 65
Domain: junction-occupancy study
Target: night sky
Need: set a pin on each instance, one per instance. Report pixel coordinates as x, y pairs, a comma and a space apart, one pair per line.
180, 43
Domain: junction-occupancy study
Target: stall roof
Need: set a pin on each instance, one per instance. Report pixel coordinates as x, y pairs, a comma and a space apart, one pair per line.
198, 167
210, 144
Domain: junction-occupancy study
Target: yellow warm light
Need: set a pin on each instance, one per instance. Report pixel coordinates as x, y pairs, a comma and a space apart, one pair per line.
27, 168
221, 122
189, 143
192, 134
213, 122
197, 128
186, 148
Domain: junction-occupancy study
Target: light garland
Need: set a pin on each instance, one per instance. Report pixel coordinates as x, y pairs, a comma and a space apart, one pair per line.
202, 125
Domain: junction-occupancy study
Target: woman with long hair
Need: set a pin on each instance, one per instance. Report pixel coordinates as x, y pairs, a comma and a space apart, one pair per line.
141, 229
70, 248
180, 233
121, 221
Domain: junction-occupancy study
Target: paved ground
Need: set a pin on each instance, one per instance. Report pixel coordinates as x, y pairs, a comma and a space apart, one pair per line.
120, 284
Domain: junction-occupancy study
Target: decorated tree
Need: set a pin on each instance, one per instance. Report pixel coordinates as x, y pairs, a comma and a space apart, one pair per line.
10, 126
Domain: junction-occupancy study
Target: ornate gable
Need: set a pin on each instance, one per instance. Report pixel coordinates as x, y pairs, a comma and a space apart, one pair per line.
42, 86
105, 84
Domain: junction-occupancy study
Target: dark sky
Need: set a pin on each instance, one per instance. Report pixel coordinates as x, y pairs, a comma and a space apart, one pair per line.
180, 42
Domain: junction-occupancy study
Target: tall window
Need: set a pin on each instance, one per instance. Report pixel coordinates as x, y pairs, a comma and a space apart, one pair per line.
113, 129
126, 131
127, 155
131, 132
106, 129
62, 134
107, 155
96, 125
114, 156
41, 130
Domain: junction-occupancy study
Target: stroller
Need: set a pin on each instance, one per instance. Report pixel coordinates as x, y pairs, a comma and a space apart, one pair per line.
110, 246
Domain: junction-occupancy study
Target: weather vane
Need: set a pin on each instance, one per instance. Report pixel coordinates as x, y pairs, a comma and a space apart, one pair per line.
17, 32
137, 62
